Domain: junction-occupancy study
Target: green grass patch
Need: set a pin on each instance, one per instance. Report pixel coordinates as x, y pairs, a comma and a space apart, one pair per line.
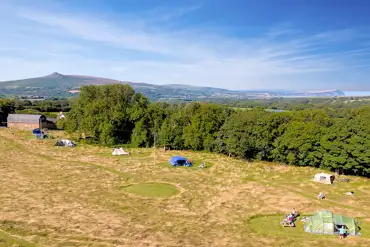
269, 225
152, 190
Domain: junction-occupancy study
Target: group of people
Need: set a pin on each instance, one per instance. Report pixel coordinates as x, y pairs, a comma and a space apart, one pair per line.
290, 218
342, 230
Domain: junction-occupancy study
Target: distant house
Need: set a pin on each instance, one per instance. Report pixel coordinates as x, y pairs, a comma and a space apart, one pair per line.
61, 115
29, 122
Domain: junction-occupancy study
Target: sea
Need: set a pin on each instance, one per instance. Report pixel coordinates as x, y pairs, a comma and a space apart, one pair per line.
357, 93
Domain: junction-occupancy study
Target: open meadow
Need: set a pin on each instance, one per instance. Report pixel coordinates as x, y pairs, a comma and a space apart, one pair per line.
83, 196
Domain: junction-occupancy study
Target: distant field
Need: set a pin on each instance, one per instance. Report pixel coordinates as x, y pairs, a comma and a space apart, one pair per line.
47, 114
83, 196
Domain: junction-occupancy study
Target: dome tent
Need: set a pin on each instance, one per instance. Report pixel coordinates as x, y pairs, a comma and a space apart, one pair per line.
325, 222
179, 161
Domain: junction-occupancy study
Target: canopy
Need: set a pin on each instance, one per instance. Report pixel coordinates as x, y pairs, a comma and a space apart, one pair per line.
325, 222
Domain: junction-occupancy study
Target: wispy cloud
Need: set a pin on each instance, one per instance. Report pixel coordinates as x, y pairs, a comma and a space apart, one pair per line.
284, 56
165, 13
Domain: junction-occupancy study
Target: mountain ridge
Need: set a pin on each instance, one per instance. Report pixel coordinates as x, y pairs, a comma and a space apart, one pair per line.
57, 84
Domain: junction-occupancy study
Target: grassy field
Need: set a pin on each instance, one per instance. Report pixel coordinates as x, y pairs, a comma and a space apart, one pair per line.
52, 196
152, 189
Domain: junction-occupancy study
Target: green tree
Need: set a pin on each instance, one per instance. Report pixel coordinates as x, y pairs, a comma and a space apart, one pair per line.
139, 136
347, 142
205, 122
107, 112
6, 107
299, 145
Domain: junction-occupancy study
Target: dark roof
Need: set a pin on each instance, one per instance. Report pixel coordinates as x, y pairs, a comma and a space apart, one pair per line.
25, 118
54, 120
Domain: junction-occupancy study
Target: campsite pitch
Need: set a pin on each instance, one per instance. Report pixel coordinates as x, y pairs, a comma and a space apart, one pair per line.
84, 196
196, 164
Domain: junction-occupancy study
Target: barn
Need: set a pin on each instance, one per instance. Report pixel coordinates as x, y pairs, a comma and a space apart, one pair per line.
28, 122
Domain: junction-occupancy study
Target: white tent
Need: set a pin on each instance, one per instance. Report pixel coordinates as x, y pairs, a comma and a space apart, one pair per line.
65, 143
119, 151
324, 178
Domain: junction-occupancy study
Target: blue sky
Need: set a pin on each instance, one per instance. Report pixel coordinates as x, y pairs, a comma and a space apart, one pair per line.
234, 44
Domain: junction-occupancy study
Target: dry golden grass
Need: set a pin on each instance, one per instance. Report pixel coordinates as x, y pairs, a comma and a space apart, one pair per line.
54, 196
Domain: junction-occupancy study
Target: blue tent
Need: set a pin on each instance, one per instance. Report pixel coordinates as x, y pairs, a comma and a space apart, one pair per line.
38, 133
179, 161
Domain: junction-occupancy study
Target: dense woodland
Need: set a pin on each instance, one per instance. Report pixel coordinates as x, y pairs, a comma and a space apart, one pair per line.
334, 138
299, 103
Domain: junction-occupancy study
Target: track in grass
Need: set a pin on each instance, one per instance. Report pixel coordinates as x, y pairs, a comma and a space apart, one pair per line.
7, 239
155, 190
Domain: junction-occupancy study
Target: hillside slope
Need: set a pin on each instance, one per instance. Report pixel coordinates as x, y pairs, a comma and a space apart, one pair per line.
56, 80
83, 200
57, 84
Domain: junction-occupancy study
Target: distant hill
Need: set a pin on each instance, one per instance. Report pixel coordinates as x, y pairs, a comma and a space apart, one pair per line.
56, 80
56, 84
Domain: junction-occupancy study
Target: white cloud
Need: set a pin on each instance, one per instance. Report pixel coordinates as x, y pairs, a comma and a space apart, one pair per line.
79, 43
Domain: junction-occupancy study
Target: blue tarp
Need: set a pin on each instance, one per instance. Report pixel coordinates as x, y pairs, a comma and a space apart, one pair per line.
179, 161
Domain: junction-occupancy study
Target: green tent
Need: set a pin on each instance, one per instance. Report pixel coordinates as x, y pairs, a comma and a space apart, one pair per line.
325, 222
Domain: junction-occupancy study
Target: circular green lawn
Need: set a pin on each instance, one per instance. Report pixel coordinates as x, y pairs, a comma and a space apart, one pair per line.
152, 189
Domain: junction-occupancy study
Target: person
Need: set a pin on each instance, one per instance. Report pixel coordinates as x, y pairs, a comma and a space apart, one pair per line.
291, 220
321, 196
294, 212
342, 231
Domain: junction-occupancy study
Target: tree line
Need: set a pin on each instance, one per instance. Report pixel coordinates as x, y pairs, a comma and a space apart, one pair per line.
49, 108
14, 105
337, 138
302, 103
334, 139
